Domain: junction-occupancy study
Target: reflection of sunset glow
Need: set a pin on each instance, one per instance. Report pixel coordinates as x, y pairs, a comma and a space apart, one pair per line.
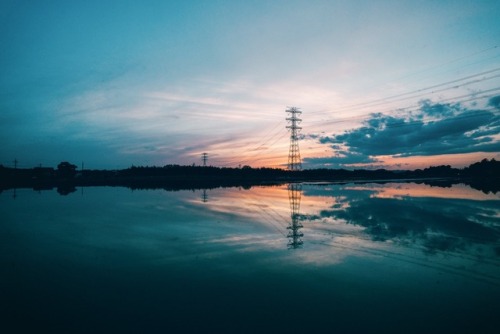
344, 222
257, 203
400, 190
269, 206
265, 203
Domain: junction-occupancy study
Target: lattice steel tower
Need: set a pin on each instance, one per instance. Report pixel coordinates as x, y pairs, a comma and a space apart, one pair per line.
294, 162
294, 235
204, 158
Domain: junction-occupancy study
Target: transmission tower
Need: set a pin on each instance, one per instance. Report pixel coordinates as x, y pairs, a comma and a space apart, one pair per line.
204, 196
295, 235
204, 158
294, 162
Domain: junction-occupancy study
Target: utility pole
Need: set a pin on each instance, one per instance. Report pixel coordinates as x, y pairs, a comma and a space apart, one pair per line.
204, 158
15, 163
294, 161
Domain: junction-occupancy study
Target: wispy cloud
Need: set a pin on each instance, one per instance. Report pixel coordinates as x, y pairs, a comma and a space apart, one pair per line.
156, 80
182, 121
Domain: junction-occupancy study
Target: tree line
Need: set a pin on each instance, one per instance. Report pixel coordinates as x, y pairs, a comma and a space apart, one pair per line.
486, 172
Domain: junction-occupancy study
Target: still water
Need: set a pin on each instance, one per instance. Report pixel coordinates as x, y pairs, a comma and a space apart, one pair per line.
313, 258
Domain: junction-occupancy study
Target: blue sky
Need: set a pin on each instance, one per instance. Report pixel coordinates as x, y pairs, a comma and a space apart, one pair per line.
121, 83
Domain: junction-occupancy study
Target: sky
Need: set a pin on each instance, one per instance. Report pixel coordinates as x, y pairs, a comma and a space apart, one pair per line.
381, 84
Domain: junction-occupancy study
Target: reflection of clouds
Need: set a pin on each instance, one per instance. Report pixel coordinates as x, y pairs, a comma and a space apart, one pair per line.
259, 206
345, 225
438, 224
271, 249
251, 242
432, 219
399, 190
342, 227
270, 207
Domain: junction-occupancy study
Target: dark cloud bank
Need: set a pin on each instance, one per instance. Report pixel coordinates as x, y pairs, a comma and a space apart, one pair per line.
434, 129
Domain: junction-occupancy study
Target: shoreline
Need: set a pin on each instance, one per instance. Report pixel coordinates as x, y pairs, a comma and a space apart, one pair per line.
173, 184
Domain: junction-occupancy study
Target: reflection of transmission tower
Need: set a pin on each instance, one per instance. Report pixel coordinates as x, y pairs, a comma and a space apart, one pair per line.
294, 236
204, 196
294, 162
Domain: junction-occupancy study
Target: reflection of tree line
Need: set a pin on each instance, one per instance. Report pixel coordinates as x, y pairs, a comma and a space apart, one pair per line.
383, 219
484, 176
436, 224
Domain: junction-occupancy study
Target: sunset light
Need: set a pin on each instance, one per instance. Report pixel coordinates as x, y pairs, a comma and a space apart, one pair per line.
397, 85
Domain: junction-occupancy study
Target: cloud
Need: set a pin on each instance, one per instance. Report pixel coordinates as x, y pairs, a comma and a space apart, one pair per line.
438, 109
344, 158
495, 102
435, 129
173, 123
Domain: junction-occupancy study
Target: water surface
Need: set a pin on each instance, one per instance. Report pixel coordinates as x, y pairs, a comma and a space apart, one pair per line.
367, 258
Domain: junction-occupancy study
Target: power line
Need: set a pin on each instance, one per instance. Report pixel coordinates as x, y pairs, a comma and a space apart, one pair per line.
458, 99
450, 61
420, 94
441, 65
388, 99
390, 125
271, 137
464, 115
250, 158
261, 143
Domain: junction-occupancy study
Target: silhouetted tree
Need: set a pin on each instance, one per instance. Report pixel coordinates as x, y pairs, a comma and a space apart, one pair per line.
65, 170
485, 169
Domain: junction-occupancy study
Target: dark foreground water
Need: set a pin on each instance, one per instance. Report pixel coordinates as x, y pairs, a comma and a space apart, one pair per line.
355, 258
